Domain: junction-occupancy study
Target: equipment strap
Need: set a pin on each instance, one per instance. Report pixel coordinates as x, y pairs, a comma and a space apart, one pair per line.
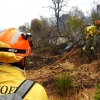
24, 87
13, 50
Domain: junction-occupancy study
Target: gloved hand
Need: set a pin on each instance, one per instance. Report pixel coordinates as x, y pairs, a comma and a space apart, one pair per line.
90, 36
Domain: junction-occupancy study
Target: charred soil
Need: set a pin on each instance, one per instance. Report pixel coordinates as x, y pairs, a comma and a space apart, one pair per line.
85, 71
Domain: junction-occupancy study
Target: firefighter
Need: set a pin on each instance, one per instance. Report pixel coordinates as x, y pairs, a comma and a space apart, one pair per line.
91, 32
14, 51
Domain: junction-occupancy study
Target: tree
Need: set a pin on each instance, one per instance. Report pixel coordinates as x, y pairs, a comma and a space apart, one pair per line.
75, 11
24, 28
94, 13
75, 27
57, 7
41, 29
36, 26
94, 16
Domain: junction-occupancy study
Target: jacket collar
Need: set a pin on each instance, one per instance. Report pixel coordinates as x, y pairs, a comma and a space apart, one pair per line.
7, 70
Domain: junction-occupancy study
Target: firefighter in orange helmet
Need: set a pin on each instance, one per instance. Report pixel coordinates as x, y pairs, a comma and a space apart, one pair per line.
91, 32
14, 50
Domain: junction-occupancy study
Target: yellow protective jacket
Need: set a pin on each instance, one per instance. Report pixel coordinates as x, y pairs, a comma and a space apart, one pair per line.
91, 31
11, 77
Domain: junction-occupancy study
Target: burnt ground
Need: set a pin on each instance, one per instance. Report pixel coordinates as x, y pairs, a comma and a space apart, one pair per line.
84, 70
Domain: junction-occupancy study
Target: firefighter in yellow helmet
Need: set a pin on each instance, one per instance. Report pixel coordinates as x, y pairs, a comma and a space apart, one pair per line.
14, 50
91, 33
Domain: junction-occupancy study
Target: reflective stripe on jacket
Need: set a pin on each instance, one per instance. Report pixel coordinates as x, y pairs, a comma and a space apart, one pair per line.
11, 77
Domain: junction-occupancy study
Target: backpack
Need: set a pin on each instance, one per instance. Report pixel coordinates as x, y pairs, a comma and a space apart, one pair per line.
20, 92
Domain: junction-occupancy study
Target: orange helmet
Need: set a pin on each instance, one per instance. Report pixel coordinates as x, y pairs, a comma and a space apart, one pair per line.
14, 45
97, 22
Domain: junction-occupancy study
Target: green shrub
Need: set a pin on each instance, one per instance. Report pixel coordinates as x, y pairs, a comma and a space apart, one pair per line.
97, 94
64, 82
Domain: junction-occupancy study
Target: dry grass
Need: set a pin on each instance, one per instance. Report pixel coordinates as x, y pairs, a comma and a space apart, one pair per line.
84, 71
86, 94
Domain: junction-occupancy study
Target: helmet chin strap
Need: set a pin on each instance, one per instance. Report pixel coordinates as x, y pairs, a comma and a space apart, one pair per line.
24, 62
21, 64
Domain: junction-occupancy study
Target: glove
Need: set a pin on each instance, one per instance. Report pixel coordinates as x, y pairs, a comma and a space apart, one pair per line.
90, 36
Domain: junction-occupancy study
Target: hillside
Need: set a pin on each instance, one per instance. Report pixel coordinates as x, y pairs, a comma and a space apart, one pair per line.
84, 70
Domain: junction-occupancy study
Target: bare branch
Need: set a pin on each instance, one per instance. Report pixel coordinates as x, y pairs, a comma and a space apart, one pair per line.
57, 7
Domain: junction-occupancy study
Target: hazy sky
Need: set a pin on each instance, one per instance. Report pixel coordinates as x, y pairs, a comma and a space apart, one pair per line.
14, 13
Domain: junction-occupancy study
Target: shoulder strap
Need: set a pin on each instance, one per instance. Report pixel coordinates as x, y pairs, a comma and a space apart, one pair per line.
24, 87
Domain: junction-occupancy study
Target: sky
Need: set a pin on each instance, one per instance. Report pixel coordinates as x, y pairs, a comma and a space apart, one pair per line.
14, 13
